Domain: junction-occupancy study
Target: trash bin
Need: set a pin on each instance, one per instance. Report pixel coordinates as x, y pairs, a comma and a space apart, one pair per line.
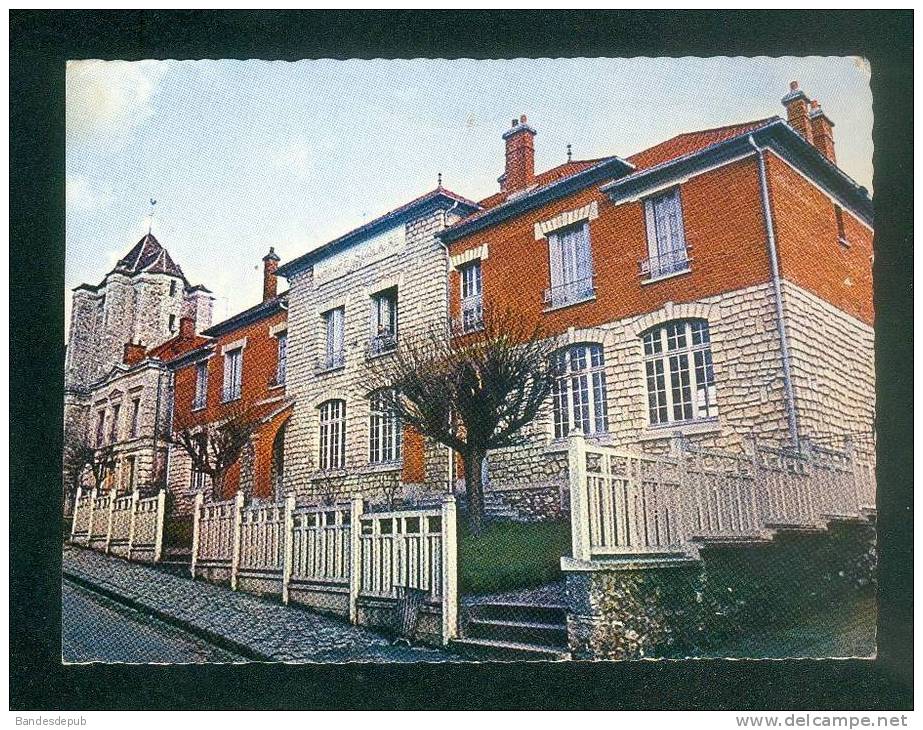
410, 601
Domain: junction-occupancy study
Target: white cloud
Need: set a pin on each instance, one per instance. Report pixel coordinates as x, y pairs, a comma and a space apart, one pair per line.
294, 156
108, 99
83, 198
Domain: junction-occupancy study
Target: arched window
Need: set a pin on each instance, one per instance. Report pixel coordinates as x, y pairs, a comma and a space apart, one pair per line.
679, 372
579, 391
332, 434
385, 435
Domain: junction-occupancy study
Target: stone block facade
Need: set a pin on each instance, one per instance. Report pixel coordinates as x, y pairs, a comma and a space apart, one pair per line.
417, 269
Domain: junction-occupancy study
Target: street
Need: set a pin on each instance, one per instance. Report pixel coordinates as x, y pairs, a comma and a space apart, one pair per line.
95, 628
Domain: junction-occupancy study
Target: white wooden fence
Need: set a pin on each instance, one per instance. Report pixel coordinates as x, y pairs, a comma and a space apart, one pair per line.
126, 525
625, 502
373, 555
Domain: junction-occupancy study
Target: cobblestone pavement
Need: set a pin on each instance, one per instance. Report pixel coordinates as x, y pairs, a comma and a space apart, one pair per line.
259, 627
96, 629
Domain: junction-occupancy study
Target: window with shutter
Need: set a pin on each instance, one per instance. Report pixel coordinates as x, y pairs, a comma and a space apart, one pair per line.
666, 239
570, 262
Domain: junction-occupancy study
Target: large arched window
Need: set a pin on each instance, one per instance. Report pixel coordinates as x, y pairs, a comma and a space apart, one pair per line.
579, 391
384, 429
332, 434
679, 372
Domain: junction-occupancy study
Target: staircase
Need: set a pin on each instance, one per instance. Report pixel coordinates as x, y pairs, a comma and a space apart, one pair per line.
502, 630
177, 561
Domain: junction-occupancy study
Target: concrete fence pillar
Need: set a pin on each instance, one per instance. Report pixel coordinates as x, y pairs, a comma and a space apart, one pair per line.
76, 507
90, 518
355, 557
161, 515
449, 570
132, 519
196, 516
579, 502
238, 530
288, 543
113, 493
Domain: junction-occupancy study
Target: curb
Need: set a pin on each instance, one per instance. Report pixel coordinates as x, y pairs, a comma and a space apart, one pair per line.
218, 640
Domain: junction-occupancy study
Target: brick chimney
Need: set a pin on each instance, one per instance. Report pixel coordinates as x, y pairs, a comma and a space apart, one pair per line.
270, 281
520, 156
186, 328
133, 353
822, 131
796, 104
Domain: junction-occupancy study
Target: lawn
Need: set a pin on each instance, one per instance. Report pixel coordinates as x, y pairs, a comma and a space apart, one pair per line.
511, 555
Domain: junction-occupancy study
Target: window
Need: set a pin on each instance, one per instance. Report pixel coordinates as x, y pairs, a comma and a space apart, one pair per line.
233, 372
201, 385
472, 297
579, 391
100, 427
333, 343
385, 435
135, 416
198, 481
571, 263
384, 322
679, 372
282, 356
130, 474
840, 226
172, 287
172, 323
332, 434
114, 426
666, 240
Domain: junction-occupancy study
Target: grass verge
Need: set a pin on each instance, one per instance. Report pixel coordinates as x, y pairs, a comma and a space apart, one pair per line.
511, 555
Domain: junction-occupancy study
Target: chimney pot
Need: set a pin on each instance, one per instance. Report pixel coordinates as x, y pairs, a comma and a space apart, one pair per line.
270, 282
520, 156
793, 85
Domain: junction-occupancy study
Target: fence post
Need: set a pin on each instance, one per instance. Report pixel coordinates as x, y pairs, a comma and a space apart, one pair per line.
112, 495
196, 512
235, 548
161, 514
90, 518
449, 570
579, 498
288, 542
135, 497
355, 557
76, 507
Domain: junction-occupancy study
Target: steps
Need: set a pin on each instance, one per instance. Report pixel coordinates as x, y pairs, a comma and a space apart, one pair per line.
514, 631
496, 508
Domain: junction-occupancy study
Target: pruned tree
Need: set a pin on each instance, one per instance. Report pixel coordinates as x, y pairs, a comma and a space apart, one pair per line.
471, 392
213, 448
80, 457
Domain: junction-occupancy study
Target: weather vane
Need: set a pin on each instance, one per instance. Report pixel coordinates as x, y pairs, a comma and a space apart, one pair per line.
150, 220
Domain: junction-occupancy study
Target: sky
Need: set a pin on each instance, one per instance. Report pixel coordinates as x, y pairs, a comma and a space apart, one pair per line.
244, 155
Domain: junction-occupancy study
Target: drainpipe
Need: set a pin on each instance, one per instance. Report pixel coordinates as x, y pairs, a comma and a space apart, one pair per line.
777, 291
448, 317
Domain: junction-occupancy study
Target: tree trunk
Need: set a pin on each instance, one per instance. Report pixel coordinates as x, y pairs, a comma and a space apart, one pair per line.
474, 490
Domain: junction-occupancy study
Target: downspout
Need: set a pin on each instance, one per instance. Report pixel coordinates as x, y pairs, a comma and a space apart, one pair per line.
777, 291
448, 317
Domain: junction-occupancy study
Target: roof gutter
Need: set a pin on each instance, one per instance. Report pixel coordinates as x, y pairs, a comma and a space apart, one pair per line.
771, 249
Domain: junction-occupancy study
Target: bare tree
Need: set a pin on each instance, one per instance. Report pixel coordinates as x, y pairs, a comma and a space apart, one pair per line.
471, 392
80, 457
213, 448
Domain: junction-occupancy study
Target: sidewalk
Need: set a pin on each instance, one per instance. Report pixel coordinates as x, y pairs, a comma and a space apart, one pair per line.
259, 628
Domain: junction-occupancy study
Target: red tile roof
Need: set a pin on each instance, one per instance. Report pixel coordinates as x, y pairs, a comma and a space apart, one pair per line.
678, 146
545, 178
176, 346
690, 142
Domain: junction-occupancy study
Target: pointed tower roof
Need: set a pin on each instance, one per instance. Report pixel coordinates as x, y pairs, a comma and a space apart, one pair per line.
148, 256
